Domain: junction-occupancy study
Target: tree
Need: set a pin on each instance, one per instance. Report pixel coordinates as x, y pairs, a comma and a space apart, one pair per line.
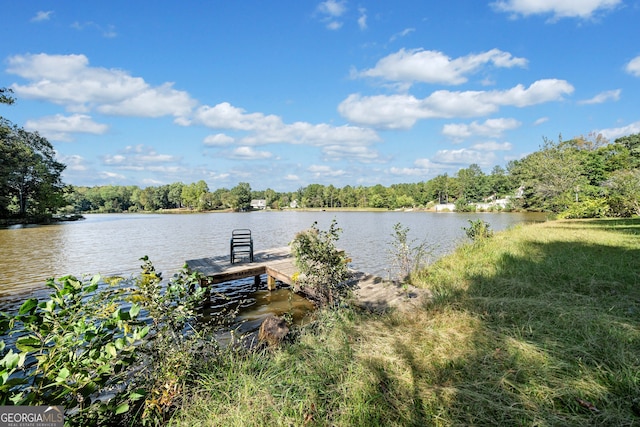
624, 193
631, 143
473, 185
29, 172
553, 177
193, 195
498, 182
241, 196
5, 97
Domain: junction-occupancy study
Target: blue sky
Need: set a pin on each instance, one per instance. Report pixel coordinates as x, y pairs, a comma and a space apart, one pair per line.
288, 93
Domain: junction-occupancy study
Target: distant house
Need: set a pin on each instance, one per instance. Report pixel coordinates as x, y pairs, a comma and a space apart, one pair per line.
258, 204
294, 204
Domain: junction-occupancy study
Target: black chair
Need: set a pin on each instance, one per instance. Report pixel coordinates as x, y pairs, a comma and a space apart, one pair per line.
241, 244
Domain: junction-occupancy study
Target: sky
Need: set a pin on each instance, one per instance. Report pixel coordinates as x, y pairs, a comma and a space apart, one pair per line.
284, 94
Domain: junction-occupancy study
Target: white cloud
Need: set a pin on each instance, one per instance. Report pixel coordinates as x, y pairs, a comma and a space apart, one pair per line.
583, 9
322, 171
402, 111
491, 127
139, 158
493, 146
329, 11
609, 95
270, 129
362, 20
60, 128
68, 80
248, 153
540, 121
429, 66
401, 34
614, 133
465, 157
332, 8
109, 32
359, 153
219, 139
408, 171
42, 16
74, 163
226, 116
112, 176
633, 67
292, 177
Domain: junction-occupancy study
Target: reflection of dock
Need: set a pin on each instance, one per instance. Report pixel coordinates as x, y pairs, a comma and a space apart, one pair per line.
276, 263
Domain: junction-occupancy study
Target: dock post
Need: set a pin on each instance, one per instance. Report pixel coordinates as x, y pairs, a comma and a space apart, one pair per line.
271, 283
256, 281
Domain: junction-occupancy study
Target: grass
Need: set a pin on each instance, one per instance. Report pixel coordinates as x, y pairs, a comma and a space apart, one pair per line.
538, 325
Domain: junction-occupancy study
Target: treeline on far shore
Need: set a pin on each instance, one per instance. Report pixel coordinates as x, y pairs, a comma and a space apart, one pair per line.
579, 178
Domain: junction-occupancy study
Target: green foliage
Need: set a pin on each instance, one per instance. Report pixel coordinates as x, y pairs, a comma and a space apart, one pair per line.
406, 256
623, 193
5, 96
30, 175
323, 267
89, 348
478, 230
588, 208
462, 205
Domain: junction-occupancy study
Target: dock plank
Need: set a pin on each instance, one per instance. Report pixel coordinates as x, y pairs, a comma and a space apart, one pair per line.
276, 262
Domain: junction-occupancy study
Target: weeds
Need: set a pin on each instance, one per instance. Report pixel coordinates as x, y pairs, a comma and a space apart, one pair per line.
478, 230
406, 256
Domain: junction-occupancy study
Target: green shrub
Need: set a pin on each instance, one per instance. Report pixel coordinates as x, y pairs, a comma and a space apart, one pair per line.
478, 230
588, 208
89, 349
323, 267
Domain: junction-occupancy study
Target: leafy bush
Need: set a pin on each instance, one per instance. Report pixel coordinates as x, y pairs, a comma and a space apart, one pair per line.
323, 267
478, 230
588, 208
90, 348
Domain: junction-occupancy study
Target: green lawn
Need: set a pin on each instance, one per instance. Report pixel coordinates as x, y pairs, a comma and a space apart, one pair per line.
538, 325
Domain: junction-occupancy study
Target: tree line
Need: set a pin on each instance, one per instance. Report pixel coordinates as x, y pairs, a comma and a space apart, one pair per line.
578, 178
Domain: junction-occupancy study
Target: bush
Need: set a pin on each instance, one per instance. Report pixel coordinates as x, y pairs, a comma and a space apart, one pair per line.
588, 208
323, 268
106, 351
478, 230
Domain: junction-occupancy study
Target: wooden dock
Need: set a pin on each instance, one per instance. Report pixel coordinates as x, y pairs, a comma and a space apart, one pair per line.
276, 263
370, 292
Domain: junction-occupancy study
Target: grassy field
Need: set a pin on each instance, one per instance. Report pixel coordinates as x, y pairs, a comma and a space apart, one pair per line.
538, 325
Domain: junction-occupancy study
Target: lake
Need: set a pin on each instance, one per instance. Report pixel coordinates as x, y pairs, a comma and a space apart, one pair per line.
111, 244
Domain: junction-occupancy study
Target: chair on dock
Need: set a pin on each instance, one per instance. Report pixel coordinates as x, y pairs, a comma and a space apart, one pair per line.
241, 244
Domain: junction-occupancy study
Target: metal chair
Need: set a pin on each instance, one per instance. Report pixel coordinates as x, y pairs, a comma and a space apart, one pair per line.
241, 244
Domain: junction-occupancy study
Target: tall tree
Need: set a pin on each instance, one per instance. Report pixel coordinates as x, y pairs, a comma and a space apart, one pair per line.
242, 196
29, 172
553, 177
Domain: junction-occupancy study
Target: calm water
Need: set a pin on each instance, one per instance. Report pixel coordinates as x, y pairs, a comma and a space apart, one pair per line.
112, 244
